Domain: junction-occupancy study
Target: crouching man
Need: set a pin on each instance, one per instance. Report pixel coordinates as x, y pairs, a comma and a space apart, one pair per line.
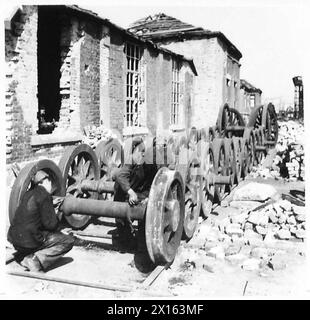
132, 184
33, 231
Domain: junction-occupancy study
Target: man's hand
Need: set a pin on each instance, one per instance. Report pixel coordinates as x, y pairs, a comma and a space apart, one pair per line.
133, 198
57, 202
145, 201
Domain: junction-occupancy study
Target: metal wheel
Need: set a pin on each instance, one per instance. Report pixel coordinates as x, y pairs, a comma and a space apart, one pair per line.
222, 119
259, 141
256, 117
164, 218
192, 138
202, 135
213, 133
24, 182
228, 120
270, 124
239, 159
208, 189
110, 156
77, 164
249, 137
230, 159
245, 155
219, 167
189, 168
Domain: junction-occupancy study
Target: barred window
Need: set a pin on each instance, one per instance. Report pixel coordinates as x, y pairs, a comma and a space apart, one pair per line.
175, 99
252, 100
133, 84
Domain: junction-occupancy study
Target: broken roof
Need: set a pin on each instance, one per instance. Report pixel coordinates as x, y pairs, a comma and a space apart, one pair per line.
248, 86
162, 27
132, 35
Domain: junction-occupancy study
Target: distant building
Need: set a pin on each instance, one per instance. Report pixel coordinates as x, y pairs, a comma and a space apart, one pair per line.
250, 97
217, 61
298, 98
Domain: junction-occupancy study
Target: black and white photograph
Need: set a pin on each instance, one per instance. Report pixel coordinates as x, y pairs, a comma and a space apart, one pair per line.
154, 150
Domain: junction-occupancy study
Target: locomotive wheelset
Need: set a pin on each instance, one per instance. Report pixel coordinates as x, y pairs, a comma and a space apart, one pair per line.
191, 172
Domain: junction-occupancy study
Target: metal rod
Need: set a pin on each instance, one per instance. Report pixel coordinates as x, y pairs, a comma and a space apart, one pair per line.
235, 128
43, 276
99, 186
217, 179
106, 208
260, 148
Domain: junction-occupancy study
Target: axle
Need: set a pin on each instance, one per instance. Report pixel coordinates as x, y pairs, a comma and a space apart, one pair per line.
99, 208
99, 186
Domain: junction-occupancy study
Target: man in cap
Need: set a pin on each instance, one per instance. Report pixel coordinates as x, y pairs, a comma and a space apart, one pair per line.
33, 231
132, 183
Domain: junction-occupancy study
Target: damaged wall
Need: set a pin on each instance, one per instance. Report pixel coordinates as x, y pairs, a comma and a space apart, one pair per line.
47, 112
211, 63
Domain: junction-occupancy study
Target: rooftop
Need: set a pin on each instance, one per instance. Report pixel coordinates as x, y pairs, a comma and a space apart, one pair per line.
160, 27
248, 86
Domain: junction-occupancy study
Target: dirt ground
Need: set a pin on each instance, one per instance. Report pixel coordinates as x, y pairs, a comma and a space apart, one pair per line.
192, 275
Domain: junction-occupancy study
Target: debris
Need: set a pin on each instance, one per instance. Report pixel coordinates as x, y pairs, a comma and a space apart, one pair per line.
216, 252
254, 191
283, 234
277, 262
251, 264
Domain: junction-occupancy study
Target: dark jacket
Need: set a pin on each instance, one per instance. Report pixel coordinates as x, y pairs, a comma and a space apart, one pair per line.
33, 218
131, 176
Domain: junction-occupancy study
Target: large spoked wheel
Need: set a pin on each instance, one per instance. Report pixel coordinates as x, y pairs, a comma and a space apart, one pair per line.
164, 218
110, 156
239, 159
24, 182
213, 133
189, 167
208, 188
230, 159
245, 155
271, 124
222, 119
78, 164
219, 167
192, 138
256, 117
229, 118
249, 137
259, 141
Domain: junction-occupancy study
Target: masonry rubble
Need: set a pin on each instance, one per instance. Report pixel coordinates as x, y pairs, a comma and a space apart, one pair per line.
95, 134
288, 162
248, 237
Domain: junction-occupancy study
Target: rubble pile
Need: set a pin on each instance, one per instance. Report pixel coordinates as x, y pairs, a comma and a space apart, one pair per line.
93, 135
255, 223
288, 162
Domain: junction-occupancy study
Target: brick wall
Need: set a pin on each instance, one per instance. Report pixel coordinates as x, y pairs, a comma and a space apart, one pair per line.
116, 81
209, 59
21, 84
90, 75
92, 84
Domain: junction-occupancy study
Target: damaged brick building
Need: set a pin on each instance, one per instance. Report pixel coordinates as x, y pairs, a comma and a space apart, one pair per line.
250, 97
217, 61
67, 68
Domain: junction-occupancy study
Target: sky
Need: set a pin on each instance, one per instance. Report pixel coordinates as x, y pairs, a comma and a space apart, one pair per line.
271, 35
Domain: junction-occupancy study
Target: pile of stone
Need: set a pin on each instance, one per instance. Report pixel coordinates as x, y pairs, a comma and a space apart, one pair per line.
288, 162
264, 215
93, 135
249, 233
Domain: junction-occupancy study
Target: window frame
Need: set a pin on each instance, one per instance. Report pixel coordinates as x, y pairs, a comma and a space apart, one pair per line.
175, 93
133, 84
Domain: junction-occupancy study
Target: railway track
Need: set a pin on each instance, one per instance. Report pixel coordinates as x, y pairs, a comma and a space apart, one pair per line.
190, 171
